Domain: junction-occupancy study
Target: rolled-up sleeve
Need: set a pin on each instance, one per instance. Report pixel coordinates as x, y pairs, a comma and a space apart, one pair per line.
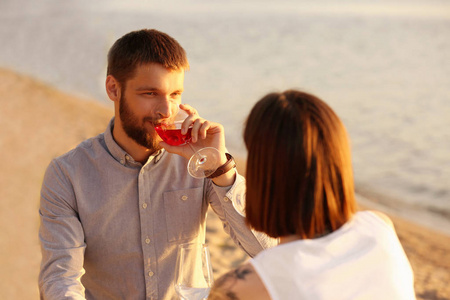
61, 237
252, 242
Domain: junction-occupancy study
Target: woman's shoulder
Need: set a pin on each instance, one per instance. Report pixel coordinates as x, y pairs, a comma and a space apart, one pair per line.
377, 215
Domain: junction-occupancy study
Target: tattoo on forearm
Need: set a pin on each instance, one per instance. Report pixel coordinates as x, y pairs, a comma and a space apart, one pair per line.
223, 288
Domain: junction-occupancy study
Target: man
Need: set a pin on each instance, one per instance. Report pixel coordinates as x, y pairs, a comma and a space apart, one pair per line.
114, 209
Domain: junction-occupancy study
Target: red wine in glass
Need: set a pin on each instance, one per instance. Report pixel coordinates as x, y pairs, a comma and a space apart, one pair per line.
173, 136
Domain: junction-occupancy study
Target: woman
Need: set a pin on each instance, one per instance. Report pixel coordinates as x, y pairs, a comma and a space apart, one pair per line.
300, 190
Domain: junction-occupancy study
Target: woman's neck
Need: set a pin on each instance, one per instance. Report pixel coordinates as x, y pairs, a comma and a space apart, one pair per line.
289, 238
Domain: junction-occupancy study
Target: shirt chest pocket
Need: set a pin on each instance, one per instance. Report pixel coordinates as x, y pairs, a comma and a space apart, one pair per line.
184, 213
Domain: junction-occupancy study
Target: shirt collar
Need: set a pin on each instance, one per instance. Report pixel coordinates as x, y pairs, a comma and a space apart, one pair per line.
121, 155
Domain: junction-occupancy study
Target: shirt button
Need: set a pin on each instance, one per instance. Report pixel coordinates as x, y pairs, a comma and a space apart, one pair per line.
225, 199
151, 273
147, 240
184, 197
144, 206
122, 161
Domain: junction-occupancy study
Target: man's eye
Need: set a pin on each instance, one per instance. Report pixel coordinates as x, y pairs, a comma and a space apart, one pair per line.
150, 93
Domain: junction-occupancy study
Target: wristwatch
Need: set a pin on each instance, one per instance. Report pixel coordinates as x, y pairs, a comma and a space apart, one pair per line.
230, 164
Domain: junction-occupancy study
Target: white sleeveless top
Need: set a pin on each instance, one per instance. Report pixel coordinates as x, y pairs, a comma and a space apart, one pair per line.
361, 260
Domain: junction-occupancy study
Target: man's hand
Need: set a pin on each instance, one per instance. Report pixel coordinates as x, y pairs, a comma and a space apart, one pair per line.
204, 134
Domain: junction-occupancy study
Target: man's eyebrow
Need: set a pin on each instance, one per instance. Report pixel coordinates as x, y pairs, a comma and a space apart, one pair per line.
146, 88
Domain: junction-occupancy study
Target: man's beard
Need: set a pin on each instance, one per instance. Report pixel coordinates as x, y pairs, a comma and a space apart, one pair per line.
135, 129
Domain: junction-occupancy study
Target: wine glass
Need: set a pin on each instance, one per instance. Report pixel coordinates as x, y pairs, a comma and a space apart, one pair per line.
205, 161
193, 271
239, 192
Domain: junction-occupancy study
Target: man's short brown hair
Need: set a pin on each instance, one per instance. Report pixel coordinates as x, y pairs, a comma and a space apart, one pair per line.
299, 173
143, 47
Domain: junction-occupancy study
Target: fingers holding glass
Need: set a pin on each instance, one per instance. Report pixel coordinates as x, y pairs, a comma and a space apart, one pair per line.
187, 127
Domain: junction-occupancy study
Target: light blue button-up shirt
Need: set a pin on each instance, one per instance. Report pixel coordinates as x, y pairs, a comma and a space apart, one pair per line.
110, 226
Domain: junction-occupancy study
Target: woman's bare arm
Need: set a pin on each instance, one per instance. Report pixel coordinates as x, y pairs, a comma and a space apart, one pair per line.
239, 284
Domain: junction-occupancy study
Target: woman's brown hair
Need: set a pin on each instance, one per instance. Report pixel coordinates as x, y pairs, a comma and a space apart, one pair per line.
299, 173
144, 47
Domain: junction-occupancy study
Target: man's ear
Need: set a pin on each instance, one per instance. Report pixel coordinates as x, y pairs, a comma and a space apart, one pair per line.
112, 88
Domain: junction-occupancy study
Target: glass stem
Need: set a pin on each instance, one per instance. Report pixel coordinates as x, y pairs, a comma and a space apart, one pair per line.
192, 148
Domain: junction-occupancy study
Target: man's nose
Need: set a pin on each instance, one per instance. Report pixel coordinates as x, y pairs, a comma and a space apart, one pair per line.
167, 108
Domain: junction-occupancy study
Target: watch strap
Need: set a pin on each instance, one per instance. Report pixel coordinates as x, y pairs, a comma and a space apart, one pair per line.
230, 164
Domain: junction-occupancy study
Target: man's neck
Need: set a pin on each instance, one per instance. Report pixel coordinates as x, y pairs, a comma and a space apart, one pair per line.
138, 152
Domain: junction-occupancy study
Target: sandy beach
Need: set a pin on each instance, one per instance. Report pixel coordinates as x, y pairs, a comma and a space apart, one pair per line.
38, 123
